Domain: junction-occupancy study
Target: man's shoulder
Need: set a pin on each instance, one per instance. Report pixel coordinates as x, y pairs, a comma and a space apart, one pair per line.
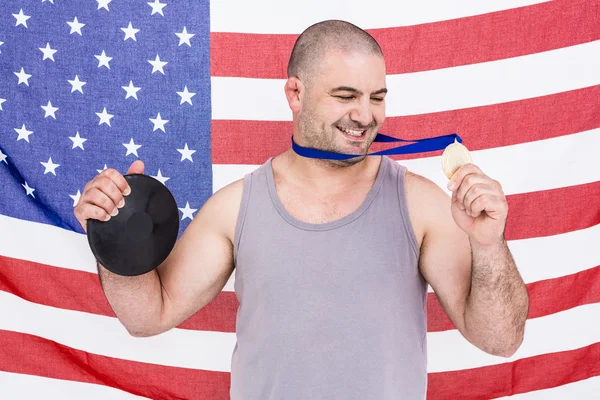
427, 203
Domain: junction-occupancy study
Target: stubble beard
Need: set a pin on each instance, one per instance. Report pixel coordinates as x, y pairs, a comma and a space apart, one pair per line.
319, 136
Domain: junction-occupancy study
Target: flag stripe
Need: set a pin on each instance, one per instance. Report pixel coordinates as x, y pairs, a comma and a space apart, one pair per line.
103, 335
35, 282
522, 376
474, 85
570, 329
447, 350
527, 120
546, 297
22, 352
272, 16
21, 386
443, 44
521, 168
579, 389
560, 255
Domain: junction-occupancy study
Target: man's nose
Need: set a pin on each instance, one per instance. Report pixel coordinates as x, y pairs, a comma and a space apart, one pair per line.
362, 114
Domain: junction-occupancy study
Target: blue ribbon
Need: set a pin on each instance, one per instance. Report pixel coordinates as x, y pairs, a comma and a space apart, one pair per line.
420, 146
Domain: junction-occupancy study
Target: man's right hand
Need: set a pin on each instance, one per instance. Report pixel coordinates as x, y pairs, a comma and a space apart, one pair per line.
105, 194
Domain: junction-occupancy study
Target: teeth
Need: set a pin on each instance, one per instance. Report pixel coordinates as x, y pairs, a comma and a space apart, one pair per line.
353, 133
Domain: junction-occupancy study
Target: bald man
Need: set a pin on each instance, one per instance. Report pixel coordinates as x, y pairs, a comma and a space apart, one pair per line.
332, 259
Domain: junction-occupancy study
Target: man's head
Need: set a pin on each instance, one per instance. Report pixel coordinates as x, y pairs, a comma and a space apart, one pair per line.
336, 88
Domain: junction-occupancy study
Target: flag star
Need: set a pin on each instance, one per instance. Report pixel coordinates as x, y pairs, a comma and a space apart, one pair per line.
104, 117
28, 190
184, 37
48, 52
157, 7
130, 32
100, 170
50, 166
186, 153
23, 77
51, 1
103, 60
21, 19
4, 156
159, 123
75, 26
75, 197
23, 133
131, 90
1, 43
77, 141
103, 4
158, 65
187, 211
132, 148
160, 178
186, 97
50, 110
1, 101
77, 84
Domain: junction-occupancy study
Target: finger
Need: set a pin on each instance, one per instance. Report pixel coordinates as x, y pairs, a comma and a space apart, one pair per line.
110, 188
137, 167
476, 190
118, 179
460, 174
467, 183
99, 198
87, 211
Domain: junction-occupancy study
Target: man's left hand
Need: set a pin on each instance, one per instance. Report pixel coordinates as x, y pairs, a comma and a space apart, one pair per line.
479, 206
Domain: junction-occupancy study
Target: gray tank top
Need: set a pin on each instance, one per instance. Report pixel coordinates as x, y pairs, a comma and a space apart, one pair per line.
328, 311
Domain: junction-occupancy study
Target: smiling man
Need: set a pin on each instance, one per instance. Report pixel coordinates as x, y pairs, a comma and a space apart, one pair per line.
332, 258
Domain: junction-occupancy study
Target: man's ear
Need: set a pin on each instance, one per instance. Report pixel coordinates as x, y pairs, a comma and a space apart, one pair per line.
294, 92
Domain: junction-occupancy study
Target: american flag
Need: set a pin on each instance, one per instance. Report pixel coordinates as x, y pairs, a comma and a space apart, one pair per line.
195, 90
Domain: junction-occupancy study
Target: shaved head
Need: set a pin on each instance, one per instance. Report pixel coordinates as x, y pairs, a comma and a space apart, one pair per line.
322, 37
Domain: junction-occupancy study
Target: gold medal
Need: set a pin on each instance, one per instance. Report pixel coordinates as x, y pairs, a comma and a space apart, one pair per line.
455, 156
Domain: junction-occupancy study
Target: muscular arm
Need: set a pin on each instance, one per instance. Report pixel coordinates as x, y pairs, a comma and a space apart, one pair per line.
194, 273
479, 287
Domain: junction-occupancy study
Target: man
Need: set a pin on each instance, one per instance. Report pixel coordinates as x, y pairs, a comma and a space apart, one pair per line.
332, 258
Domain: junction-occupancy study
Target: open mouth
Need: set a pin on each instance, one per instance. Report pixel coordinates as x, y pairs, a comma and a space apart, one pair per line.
353, 134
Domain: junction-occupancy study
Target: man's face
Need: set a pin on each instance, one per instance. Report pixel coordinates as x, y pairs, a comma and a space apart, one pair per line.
344, 106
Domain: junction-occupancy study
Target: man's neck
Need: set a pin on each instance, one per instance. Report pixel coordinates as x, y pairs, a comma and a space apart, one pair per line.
325, 175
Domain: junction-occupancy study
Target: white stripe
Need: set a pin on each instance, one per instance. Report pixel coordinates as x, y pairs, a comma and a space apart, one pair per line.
579, 164
212, 351
273, 16
20, 386
424, 92
106, 336
587, 389
45, 244
527, 167
563, 331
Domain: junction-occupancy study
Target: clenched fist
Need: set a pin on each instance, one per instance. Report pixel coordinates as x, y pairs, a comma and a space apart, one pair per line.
105, 194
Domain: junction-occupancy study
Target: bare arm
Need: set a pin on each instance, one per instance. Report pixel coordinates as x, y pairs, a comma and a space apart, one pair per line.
197, 269
473, 274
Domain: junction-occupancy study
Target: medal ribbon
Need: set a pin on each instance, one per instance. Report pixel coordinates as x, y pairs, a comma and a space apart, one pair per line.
419, 146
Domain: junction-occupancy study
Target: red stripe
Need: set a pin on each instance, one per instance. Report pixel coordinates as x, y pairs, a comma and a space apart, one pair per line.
491, 126
81, 291
521, 376
28, 354
487, 37
46, 285
551, 212
546, 297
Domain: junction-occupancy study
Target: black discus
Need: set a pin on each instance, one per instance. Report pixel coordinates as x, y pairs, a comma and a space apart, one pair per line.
141, 236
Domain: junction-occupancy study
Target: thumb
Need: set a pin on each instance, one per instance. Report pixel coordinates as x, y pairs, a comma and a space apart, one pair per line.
137, 167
